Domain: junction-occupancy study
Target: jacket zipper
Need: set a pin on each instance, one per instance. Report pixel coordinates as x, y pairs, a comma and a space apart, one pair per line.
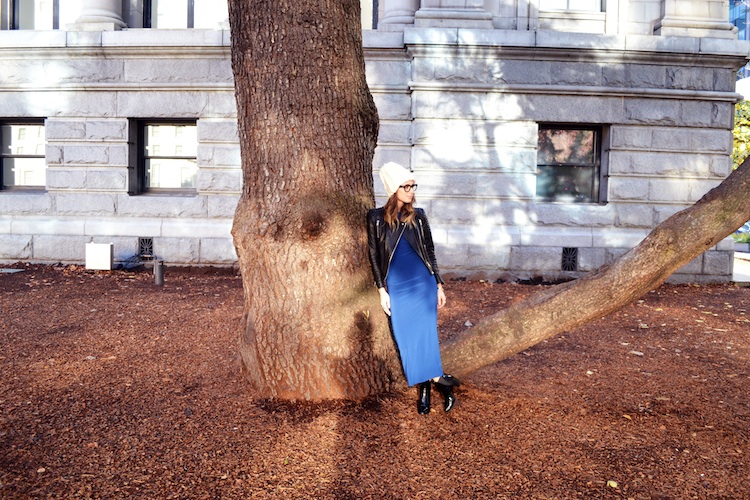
422, 243
390, 258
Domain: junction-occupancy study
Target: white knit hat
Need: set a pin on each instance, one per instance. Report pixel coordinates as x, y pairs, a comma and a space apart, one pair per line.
394, 175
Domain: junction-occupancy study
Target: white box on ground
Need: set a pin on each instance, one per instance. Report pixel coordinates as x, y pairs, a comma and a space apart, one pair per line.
99, 256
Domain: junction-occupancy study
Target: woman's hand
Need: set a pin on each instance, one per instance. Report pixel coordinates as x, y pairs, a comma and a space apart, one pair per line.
385, 301
441, 296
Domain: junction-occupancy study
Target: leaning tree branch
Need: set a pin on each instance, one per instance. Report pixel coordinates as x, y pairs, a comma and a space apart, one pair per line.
561, 308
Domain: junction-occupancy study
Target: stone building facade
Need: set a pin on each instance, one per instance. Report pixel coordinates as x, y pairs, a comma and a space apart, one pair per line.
547, 136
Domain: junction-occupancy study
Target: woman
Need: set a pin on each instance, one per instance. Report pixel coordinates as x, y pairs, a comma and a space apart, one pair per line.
402, 257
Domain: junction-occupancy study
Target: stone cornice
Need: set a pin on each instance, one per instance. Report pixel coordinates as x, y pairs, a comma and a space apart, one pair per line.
576, 90
593, 55
422, 40
119, 52
130, 38
494, 88
121, 87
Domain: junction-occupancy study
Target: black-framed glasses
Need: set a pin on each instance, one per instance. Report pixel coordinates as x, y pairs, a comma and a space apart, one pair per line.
409, 187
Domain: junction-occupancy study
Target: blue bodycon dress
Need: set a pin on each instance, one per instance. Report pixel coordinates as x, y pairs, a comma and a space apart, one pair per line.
413, 292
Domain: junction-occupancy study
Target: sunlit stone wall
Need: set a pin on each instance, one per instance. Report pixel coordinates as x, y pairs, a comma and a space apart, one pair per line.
461, 88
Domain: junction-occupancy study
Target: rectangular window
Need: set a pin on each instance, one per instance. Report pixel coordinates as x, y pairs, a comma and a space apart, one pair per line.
167, 157
181, 14
22, 160
575, 5
29, 14
369, 9
569, 164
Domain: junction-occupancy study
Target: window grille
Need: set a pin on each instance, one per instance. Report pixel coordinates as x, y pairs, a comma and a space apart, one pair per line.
569, 259
146, 248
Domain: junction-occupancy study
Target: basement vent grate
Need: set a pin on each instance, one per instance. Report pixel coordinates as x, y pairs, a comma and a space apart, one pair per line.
146, 248
569, 259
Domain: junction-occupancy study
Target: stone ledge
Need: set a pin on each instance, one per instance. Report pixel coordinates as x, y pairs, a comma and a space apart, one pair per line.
556, 237
372, 39
94, 27
163, 38
620, 238
205, 228
63, 226
143, 227
31, 38
566, 40
149, 38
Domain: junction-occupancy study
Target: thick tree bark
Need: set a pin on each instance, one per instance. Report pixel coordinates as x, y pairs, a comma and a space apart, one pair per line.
308, 128
564, 307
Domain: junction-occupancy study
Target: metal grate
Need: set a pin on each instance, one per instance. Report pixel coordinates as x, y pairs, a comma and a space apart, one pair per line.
146, 248
569, 259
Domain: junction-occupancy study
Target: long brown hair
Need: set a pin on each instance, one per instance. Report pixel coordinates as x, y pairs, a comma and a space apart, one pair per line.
408, 214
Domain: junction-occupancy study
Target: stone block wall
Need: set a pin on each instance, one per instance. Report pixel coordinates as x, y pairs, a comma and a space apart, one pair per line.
475, 108
461, 107
88, 101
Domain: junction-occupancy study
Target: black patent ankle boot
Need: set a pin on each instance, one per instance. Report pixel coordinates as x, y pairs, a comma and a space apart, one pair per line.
446, 379
423, 404
447, 392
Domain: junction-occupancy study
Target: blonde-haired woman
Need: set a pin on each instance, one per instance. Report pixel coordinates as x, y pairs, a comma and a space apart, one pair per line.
402, 256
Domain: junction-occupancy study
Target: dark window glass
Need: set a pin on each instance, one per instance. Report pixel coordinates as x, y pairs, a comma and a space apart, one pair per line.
568, 164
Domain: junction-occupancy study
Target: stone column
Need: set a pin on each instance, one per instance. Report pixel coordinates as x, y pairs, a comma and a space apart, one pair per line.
453, 14
699, 18
397, 14
99, 15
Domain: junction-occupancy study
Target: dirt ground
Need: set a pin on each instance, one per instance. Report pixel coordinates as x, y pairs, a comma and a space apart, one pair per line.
113, 387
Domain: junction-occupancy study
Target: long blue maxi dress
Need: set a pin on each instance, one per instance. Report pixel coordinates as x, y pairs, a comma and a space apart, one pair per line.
413, 292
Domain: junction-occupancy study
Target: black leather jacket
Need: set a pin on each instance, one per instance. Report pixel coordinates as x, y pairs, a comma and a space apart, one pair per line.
382, 240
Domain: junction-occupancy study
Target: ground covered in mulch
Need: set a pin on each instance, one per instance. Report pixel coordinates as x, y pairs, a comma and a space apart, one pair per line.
113, 387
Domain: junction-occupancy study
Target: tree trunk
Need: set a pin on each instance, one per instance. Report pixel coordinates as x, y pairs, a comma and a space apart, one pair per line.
308, 128
561, 308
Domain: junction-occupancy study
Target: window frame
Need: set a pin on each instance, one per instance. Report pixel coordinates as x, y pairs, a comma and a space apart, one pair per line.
599, 165
148, 13
27, 121
602, 8
10, 15
139, 157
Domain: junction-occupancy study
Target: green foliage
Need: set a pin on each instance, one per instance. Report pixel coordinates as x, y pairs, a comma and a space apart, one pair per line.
742, 235
741, 133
